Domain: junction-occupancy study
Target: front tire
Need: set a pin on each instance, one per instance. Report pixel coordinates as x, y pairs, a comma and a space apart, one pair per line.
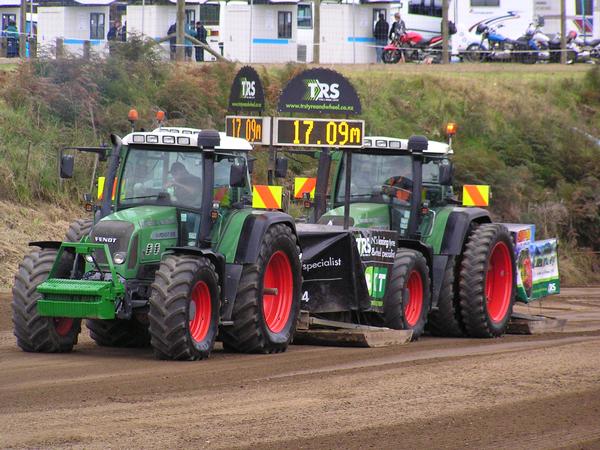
184, 308
390, 56
268, 301
487, 281
408, 298
473, 54
37, 333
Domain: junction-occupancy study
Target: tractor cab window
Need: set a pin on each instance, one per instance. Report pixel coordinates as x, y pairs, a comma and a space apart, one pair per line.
162, 177
376, 177
380, 179
224, 194
433, 192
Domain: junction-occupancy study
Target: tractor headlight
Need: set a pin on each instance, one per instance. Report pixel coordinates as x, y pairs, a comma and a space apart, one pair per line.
119, 258
89, 258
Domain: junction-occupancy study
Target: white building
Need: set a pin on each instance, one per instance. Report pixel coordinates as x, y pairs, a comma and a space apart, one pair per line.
261, 32
85, 20
154, 20
582, 16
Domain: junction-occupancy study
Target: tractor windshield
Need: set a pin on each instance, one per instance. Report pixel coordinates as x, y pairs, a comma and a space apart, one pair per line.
377, 177
165, 177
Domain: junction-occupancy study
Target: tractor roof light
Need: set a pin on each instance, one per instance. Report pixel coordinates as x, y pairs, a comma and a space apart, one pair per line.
132, 116
451, 129
160, 116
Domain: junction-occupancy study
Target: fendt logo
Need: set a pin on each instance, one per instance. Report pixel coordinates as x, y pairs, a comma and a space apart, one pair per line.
105, 240
318, 91
248, 88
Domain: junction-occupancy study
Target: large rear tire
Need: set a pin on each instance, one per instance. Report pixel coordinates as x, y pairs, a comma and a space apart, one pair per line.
264, 322
78, 229
446, 320
36, 333
408, 297
184, 308
119, 333
487, 281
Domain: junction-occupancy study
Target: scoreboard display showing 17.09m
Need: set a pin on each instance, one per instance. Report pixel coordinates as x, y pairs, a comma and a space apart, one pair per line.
318, 132
256, 130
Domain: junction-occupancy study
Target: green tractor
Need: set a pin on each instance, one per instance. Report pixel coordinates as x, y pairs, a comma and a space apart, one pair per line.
174, 258
413, 257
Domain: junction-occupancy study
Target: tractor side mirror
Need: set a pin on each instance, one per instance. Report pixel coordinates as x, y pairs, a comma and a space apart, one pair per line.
237, 176
446, 174
281, 167
67, 165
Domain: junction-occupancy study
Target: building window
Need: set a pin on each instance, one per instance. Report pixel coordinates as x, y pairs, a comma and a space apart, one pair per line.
376, 13
485, 2
304, 16
209, 14
430, 8
190, 17
96, 25
8, 18
284, 24
588, 7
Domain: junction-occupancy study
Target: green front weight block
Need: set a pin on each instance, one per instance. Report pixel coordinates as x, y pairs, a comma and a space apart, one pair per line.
90, 299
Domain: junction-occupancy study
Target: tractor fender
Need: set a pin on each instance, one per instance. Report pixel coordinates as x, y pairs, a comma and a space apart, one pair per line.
253, 231
459, 226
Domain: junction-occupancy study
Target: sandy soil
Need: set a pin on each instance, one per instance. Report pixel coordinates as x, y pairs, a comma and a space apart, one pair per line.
515, 392
20, 225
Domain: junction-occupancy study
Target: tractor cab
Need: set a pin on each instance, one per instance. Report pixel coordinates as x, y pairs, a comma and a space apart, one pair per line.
387, 177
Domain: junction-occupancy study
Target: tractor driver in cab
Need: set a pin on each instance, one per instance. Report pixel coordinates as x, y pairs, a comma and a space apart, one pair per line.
187, 187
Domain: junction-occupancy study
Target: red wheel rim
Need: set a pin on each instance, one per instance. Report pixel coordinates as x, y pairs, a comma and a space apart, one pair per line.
498, 282
414, 305
200, 311
277, 307
62, 325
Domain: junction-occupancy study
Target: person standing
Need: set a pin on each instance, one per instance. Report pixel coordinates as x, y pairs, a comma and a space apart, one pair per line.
12, 40
380, 33
201, 35
172, 40
398, 27
189, 31
114, 34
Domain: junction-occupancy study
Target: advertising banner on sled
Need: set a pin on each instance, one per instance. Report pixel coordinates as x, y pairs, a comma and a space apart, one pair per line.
345, 269
537, 264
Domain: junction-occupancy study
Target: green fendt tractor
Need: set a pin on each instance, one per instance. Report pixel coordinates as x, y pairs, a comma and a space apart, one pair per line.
175, 257
427, 260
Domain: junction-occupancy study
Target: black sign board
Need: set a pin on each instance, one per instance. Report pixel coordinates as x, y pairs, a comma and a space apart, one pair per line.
319, 91
318, 132
246, 91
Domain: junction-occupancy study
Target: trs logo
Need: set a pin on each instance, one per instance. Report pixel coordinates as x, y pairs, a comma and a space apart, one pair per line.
248, 88
322, 91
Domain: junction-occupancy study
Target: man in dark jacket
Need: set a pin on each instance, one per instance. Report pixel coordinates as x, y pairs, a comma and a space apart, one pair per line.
398, 27
380, 34
172, 40
201, 35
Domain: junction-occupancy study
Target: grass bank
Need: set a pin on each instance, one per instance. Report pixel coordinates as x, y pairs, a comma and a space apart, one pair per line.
522, 129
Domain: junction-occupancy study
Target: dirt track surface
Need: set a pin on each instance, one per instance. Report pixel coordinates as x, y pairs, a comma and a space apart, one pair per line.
516, 392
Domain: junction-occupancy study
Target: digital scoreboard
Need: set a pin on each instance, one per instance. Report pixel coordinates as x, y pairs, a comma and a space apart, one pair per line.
318, 132
256, 130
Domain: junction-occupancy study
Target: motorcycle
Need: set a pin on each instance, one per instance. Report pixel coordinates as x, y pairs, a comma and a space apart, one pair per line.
589, 49
574, 49
492, 47
414, 48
